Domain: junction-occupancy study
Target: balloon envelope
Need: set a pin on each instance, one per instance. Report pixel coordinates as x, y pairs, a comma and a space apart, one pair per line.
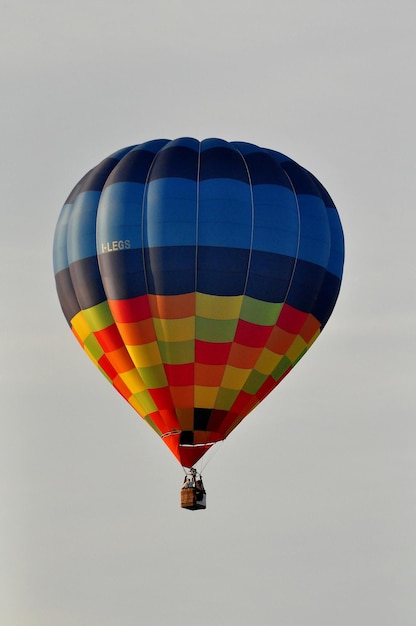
195, 275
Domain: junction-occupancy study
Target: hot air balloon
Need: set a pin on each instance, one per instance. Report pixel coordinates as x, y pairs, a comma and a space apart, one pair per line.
195, 275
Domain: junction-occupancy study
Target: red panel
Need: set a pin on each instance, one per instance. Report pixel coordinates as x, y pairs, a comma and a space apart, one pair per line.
131, 310
211, 353
291, 319
242, 400
109, 338
180, 374
216, 420
266, 388
162, 398
159, 422
170, 418
105, 364
252, 335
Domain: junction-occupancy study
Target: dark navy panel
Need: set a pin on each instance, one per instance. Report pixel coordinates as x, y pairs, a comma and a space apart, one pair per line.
264, 170
177, 162
133, 168
305, 286
324, 194
328, 295
269, 276
170, 271
222, 271
86, 280
95, 179
122, 274
66, 294
336, 257
222, 162
302, 182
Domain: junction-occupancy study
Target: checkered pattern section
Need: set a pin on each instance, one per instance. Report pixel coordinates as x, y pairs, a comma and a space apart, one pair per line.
195, 275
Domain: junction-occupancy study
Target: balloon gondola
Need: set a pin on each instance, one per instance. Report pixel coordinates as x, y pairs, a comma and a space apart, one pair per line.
196, 275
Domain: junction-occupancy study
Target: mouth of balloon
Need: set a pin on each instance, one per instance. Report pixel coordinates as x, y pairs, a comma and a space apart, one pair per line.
190, 446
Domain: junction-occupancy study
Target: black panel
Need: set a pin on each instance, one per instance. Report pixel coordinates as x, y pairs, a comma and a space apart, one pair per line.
201, 418
187, 437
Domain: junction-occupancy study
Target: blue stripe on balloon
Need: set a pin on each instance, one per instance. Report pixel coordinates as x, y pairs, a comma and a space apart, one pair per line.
170, 213
224, 213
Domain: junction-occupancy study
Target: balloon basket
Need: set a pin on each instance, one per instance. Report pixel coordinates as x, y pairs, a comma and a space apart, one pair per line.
193, 494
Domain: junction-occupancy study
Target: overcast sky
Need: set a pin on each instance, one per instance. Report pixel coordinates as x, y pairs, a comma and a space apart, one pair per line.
311, 512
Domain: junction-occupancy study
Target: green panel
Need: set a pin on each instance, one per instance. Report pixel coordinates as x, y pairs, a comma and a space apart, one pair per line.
147, 402
282, 367
259, 312
153, 377
254, 382
216, 331
152, 425
94, 347
177, 352
225, 398
99, 316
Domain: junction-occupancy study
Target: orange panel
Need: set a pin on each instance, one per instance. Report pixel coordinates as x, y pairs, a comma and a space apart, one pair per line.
172, 307
209, 375
120, 360
137, 333
280, 341
243, 356
310, 328
183, 396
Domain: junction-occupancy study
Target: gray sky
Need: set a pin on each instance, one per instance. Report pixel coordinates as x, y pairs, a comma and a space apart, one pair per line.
311, 503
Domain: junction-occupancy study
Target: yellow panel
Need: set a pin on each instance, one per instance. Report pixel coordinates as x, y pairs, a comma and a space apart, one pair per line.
267, 362
218, 307
297, 347
234, 377
81, 326
137, 406
205, 396
145, 355
133, 381
314, 338
175, 330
